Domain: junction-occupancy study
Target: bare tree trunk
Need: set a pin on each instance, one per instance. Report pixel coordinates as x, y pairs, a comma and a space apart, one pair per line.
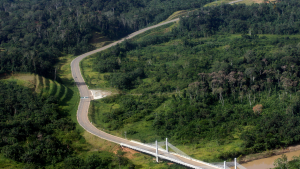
249, 97
221, 99
55, 74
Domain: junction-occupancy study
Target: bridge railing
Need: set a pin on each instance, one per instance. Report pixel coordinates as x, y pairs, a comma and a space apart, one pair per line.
161, 156
180, 155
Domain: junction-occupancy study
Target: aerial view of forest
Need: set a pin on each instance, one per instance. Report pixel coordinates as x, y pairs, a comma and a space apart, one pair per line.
220, 83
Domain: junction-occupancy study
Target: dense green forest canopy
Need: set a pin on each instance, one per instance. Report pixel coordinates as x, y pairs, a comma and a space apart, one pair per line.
281, 18
36, 132
34, 33
222, 86
27, 123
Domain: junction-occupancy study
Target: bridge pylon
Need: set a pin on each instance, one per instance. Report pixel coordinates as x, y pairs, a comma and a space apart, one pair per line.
235, 163
156, 151
167, 145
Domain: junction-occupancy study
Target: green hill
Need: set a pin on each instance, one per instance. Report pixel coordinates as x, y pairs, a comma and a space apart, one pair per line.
39, 84
215, 83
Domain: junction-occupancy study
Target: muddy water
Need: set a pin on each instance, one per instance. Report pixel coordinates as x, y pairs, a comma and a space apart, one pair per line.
267, 163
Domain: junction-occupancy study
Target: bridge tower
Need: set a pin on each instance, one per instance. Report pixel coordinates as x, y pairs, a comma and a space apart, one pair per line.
167, 145
234, 163
156, 151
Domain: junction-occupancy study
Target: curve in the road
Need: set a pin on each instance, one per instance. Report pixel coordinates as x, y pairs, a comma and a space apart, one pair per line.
82, 112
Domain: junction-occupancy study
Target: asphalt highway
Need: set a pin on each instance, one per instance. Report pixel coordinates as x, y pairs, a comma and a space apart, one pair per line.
82, 112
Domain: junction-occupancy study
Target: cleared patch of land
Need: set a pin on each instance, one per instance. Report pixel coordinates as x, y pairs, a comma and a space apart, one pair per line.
98, 40
247, 2
24, 79
177, 14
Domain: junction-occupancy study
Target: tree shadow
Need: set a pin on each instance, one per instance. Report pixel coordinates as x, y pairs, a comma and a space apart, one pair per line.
80, 83
68, 96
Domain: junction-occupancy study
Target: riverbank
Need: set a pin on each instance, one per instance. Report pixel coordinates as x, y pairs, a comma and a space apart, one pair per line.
266, 159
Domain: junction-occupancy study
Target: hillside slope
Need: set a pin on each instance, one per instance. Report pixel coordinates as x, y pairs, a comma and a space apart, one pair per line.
213, 80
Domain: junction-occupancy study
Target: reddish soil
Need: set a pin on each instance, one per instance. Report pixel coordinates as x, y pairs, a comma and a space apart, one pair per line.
129, 152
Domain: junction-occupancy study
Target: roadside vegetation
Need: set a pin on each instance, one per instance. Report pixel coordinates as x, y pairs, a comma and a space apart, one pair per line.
218, 78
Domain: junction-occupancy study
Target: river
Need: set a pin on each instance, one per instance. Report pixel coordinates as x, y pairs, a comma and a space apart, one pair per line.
266, 163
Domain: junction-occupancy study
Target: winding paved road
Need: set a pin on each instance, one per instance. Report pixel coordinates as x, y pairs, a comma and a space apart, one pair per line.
82, 113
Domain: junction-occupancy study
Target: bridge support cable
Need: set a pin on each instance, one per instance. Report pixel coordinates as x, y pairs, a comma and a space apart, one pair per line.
176, 152
161, 156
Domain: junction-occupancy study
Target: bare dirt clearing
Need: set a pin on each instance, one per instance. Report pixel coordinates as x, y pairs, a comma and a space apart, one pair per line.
24, 79
98, 94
